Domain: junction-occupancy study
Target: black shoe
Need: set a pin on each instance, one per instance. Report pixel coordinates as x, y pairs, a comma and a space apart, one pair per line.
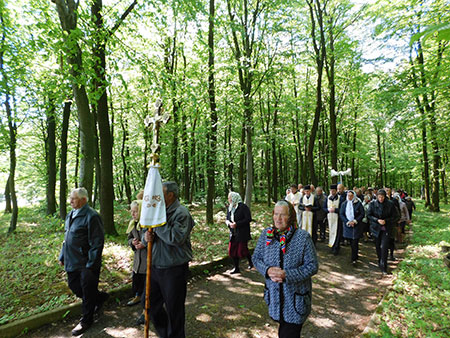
141, 320
250, 267
354, 263
235, 270
392, 258
80, 328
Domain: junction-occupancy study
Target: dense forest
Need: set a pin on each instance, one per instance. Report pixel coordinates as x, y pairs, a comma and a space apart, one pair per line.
261, 94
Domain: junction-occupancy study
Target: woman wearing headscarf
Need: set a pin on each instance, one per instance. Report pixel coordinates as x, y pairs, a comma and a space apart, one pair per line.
352, 213
286, 257
238, 221
404, 217
135, 232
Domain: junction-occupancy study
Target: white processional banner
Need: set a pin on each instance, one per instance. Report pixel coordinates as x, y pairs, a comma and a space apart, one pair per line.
153, 212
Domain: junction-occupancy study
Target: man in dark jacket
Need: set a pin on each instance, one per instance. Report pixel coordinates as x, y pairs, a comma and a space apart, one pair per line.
321, 214
171, 253
383, 217
81, 255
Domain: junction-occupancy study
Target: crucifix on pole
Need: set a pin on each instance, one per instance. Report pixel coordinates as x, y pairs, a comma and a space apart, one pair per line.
153, 212
154, 123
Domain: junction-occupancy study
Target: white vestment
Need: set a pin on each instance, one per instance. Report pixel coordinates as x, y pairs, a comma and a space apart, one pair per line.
333, 218
307, 216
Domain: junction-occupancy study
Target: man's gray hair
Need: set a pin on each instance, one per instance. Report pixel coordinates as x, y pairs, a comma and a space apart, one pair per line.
172, 187
81, 193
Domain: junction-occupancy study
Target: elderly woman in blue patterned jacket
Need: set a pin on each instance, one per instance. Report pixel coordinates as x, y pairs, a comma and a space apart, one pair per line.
286, 257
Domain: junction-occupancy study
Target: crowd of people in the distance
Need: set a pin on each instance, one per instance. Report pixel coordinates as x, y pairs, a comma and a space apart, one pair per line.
372, 214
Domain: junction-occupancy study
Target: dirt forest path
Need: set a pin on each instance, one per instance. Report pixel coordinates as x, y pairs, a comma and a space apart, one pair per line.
225, 305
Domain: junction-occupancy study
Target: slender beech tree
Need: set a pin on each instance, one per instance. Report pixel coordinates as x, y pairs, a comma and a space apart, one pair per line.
12, 125
316, 11
50, 155
63, 160
68, 16
212, 132
245, 17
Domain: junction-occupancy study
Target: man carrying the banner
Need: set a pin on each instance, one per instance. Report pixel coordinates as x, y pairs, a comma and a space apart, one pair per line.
307, 208
331, 206
171, 253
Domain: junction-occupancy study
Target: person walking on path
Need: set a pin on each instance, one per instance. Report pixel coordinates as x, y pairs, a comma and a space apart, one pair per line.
286, 257
294, 198
331, 206
382, 216
352, 213
238, 221
308, 208
81, 256
171, 254
404, 218
135, 233
321, 214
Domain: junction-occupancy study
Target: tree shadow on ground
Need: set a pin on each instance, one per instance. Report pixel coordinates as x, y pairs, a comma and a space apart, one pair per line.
226, 305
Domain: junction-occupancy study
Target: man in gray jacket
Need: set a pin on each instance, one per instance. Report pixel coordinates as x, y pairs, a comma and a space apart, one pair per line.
171, 253
81, 256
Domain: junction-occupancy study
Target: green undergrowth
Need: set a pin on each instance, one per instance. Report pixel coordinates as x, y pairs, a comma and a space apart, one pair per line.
32, 281
419, 303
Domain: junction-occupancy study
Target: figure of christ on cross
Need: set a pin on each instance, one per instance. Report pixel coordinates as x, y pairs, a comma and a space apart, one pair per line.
155, 122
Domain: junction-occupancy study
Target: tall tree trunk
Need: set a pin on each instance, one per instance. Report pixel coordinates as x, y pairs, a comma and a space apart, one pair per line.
12, 128
194, 160
242, 163
77, 157
212, 132
50, 146
63, 165
124, 152
354, 148
98, 170
8, 209
106, 181
184, 141
67, 12
443, 178
380, 159
275, 162
330, 69
12, 159
248, 111
316, 13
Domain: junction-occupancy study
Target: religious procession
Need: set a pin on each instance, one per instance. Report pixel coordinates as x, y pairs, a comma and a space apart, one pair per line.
285, 255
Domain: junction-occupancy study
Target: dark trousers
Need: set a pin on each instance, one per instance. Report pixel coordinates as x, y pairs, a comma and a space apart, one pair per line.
337, 242
138, 283
392, 246
167, 297
355, 248
289, 330
322, 228
84, 284
314, 231
382, 243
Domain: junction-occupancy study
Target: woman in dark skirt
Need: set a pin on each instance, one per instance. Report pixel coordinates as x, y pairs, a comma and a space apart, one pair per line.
238, 221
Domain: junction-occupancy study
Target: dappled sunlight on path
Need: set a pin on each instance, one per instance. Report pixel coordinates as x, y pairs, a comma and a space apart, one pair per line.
232, 306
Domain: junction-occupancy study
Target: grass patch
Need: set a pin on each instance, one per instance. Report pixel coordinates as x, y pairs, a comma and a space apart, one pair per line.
419, 303
33, 282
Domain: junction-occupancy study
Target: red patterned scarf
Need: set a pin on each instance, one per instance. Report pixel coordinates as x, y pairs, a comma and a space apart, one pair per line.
274, 232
